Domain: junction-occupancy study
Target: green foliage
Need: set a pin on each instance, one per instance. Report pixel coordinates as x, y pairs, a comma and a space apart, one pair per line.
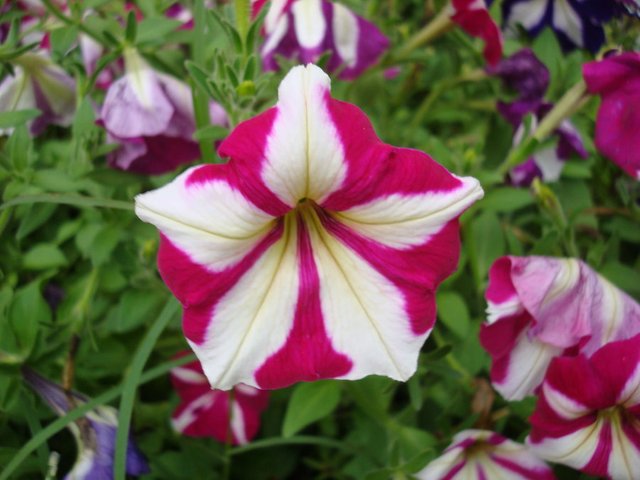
76, 265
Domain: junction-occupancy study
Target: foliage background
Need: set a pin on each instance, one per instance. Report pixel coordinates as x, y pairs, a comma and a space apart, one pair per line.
77, 268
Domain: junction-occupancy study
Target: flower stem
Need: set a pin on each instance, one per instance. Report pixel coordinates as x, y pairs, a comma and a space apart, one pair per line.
243, 12
440, 24
200, 98
570, 103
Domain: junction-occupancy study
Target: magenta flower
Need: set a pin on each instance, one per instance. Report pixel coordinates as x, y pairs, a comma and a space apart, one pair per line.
484, 455
588, 412
474, 18
305, 29
315, 252
547, 163
542, 307
151, 115
203, 412
617, 80
95, 434
40, 84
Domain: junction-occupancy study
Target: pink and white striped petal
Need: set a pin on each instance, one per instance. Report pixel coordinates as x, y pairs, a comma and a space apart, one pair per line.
483, 455
541, 307
588, 414
203, 412
284, 269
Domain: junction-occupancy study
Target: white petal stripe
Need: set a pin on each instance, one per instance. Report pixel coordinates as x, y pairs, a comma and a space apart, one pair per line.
377, 336
403, 221
303, 143
253, 319
212, 222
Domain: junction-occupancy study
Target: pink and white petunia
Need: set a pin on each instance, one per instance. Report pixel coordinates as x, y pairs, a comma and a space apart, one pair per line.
305, 29
588, 412
474, 18
484, 455
38, 83
151, 116
203, 412
542, 307
617, 80
315, 252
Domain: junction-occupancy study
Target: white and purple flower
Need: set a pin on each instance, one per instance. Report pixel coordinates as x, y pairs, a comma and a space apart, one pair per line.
95, 433
305, 29
151, 115
547, 163
588, 412
38, 83
315, 252
576, 23
485, 455
543, 307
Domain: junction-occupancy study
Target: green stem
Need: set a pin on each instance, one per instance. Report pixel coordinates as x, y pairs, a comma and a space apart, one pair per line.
55, 11
200, 98
131, 385
451, 360
57, 425
440, 24
243, 12
79, 201
570, 103
297, 440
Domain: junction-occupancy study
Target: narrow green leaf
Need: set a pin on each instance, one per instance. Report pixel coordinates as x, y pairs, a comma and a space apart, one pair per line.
309, 403
454, 313
75, 200
19, 117
43, 257
131, 28
131, 383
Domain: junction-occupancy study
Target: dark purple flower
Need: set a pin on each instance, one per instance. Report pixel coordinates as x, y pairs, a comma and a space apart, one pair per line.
151, 116
576, 23
95, 433
548, 162
524, 73
305, 29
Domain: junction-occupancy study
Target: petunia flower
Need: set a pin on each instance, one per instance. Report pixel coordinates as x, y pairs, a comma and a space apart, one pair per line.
524, 73
95, 433
304, 29
151, 115
576, 23
588, 412
484, 455
474, 18
547, 163
38, 83
543, 307
315, 252
203, 412
617, 80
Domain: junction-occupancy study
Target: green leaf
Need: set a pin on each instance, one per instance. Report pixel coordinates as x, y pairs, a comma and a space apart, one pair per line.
131, 28
453, 312
486, 243
133, 309
18, 117
44, 256
18, 335
310, 402
62, 39
506, 199
154, 28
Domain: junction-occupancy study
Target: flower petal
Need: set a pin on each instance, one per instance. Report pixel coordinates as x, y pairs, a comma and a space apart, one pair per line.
204, 214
